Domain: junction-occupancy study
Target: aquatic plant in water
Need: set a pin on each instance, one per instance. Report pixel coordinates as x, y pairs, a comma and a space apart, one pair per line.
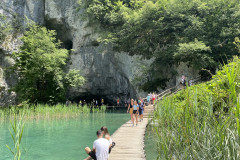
45, 111
16, 131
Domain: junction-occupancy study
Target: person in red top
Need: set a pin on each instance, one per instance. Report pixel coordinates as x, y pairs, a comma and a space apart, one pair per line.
153, 98
118, 102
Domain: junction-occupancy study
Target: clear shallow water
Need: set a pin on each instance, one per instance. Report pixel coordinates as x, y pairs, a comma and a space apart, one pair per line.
62, 139
150, 144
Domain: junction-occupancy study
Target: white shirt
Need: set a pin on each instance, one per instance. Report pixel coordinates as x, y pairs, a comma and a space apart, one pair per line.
102, 146
110, 141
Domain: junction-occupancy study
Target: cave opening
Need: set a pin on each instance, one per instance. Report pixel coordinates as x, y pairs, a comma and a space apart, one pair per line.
68, 44
89, 99
63, 32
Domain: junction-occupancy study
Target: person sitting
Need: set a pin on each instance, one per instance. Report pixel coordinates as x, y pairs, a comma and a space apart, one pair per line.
108, 137
100, 148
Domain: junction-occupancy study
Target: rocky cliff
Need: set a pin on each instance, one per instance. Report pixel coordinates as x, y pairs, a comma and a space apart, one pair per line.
109, 74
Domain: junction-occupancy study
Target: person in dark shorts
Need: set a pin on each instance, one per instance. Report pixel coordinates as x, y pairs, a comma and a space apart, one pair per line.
141, 108
135, 112
100, 148
130, 110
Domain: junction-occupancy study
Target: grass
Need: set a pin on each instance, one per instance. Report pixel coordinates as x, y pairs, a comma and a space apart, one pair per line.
202, 121
47, 111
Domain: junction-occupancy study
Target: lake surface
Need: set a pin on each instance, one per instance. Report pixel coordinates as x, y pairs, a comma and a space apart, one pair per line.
150, 144
60, 139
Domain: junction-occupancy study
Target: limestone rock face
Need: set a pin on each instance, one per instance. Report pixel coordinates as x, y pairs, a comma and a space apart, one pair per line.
33, 9
15, 11
6, 82
109, 74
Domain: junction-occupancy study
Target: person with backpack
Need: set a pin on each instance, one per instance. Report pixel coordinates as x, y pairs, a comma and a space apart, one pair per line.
141, 108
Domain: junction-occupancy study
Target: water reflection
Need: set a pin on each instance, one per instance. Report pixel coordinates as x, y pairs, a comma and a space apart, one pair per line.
59, 139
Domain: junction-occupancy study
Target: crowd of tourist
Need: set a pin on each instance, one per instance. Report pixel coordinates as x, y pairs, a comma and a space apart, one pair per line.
135, 107
103, 145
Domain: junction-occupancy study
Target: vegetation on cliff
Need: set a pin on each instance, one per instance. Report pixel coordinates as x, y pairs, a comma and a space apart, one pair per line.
202, 121
40, 67
198, 32
5, 28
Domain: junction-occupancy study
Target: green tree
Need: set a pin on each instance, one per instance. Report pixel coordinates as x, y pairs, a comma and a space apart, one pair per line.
40, 67
237, 43
198, 32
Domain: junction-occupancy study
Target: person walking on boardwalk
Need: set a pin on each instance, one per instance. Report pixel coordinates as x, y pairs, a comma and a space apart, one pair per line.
148, 99
67, 102
80, 103
135, 112
96, 103
141, 108
100, 148
153, 98
102, 101
118, 102
107, 136
125, 102
130, 110
183, 81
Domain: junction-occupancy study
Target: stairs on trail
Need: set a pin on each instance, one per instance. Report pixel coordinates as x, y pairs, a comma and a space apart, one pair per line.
148, 112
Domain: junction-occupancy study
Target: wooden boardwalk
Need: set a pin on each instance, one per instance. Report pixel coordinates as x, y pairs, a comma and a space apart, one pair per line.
130, 140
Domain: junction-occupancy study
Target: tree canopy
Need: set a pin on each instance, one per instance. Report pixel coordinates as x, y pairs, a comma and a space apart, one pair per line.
198, 32
40, 65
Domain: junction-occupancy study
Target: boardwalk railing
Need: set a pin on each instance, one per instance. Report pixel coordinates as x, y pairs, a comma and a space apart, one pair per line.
175, 89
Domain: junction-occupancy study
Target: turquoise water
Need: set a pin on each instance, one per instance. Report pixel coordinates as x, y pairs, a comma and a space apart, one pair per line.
62, 139
150, 144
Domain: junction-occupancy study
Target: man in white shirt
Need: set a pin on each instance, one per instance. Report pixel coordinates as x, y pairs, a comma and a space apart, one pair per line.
100, 148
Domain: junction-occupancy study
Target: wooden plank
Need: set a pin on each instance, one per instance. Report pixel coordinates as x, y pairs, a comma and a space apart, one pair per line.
130, 140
